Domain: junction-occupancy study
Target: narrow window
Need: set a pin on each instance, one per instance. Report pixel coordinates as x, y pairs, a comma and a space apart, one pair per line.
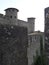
10, 16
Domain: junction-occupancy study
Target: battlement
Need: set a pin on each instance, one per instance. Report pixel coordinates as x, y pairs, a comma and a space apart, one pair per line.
11, 18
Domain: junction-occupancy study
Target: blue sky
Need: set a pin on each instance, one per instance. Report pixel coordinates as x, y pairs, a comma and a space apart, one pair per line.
28, 8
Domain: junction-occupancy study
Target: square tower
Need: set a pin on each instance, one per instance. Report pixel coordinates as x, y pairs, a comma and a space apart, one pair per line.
47, 34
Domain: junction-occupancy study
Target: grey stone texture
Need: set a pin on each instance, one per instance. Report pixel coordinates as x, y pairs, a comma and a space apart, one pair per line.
33, 45
13, 45
47, 33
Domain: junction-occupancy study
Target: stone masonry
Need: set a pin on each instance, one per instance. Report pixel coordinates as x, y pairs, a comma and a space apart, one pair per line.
13, 45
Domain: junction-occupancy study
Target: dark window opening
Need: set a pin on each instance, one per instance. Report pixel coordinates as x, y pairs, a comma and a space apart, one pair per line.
10, 16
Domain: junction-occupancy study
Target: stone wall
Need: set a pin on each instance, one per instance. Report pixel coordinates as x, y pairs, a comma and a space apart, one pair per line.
13, 45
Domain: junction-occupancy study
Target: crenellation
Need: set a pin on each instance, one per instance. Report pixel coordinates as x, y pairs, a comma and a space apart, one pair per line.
11, 18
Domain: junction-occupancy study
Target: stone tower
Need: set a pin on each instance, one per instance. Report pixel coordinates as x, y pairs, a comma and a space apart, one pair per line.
47, 33
31, 23
11, 15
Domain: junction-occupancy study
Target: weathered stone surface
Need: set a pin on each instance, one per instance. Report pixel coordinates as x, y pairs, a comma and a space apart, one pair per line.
13, 45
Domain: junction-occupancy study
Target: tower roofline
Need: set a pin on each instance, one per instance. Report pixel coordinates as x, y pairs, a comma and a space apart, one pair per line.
11, 8
31, 18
